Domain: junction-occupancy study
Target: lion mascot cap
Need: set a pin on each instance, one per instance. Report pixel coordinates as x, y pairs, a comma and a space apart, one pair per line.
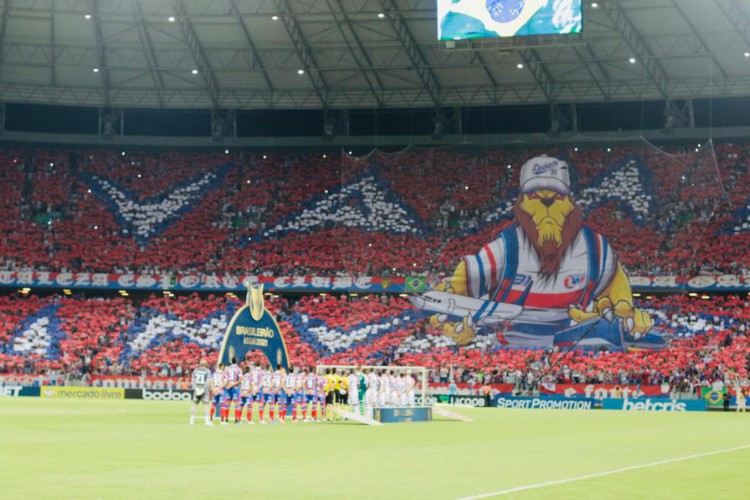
544, 172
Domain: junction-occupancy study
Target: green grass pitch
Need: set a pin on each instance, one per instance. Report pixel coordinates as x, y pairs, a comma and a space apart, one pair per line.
146, 449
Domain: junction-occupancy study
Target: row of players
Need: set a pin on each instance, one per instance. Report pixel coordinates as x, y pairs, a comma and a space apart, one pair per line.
300, 391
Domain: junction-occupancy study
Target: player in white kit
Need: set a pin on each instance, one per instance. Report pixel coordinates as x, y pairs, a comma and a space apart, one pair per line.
410, 384
372, 382
399, 394
353, 388
395, 391
384, 392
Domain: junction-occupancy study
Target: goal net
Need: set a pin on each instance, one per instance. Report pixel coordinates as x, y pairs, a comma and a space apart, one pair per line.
417, 373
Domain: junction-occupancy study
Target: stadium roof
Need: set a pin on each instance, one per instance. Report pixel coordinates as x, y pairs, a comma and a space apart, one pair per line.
313, 54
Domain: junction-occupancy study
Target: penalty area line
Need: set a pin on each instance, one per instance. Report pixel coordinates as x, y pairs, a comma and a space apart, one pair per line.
605, 473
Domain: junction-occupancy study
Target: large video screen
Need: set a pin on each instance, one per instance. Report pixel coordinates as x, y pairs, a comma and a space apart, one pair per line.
462, 19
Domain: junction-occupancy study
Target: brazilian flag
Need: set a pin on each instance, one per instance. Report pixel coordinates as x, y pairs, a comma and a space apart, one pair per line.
415, 284
714, 397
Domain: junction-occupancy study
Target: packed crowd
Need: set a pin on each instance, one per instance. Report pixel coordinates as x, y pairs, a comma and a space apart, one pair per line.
708, 339
410, 213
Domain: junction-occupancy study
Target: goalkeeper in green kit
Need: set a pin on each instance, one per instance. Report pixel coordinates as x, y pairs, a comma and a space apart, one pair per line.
361, 389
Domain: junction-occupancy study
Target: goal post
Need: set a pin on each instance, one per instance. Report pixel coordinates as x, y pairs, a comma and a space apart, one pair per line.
418, 372
417, 413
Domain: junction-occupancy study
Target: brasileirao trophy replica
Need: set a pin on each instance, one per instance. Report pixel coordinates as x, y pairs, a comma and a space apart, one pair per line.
253, 327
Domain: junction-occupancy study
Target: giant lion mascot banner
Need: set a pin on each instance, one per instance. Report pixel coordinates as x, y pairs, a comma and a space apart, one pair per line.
547, 279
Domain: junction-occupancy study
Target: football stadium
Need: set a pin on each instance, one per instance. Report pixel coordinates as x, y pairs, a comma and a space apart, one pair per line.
444, 249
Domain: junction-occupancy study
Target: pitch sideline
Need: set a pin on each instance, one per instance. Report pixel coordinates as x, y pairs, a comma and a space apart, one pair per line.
605, 473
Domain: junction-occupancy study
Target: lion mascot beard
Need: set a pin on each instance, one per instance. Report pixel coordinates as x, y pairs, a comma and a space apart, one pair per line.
549, 238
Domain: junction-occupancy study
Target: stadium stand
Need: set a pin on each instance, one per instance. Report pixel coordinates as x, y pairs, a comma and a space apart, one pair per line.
309, 213
163, 336
105, 211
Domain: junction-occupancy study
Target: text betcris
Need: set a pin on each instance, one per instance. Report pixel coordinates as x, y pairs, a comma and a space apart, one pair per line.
649, 405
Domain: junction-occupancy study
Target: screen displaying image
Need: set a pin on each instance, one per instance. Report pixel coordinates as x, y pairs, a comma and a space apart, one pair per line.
462, 19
